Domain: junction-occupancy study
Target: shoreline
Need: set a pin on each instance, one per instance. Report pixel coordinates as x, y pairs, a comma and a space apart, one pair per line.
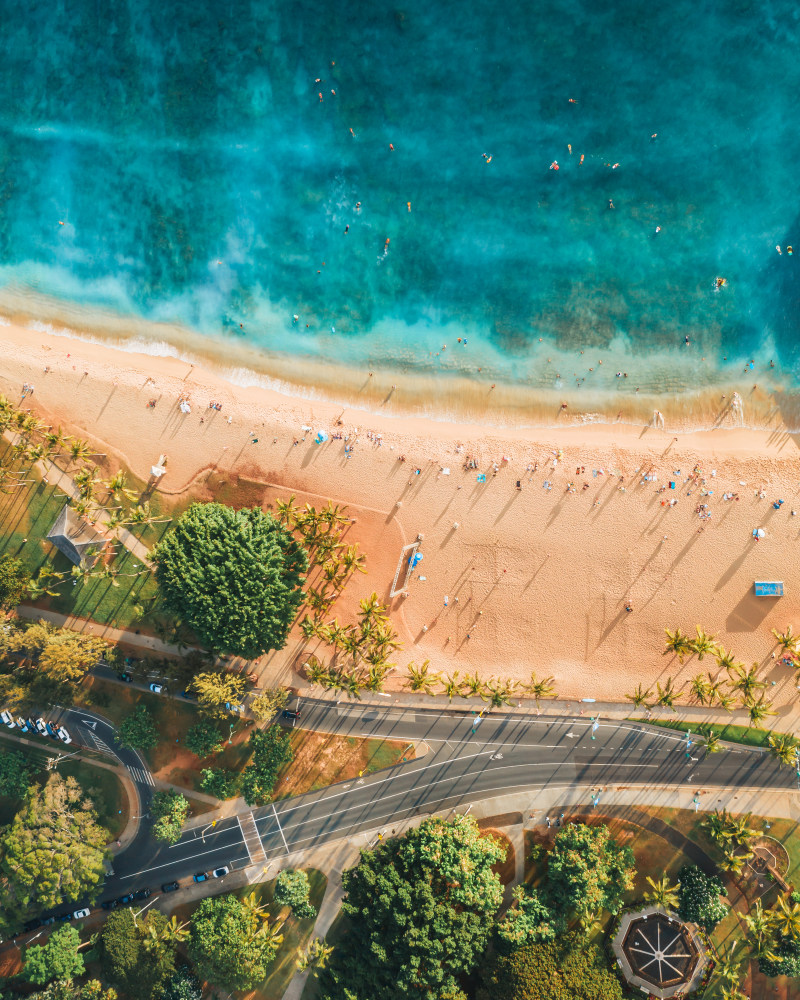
448, 396
537, 563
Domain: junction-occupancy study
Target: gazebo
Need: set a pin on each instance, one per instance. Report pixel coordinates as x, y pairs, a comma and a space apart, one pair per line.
659, 953
78, 540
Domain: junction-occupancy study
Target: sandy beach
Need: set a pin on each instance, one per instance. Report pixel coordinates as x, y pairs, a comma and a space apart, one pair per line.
531, 569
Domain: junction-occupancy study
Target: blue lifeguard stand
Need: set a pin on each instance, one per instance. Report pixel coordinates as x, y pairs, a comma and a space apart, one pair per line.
768, 588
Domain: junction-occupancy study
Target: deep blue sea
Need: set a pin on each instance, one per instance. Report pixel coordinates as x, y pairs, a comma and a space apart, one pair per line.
384, 174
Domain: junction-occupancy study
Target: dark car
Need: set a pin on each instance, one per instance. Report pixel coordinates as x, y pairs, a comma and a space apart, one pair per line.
126, 899
142, 894
64, 916
47, 921
110, 904
31, 925
125, 676
200, 877
170, 887
287, 713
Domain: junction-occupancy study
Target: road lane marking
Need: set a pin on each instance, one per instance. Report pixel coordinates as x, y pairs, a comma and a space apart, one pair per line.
170, 864
280, 828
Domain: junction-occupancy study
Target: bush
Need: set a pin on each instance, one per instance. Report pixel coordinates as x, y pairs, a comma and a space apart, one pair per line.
219, 783
699, 897
292, 889
204, 738
138, 730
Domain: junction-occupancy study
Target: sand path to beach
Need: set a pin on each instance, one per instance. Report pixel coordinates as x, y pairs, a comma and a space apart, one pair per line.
512, 579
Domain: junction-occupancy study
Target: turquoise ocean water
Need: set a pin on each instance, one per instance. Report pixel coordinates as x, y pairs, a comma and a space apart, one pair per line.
200, 180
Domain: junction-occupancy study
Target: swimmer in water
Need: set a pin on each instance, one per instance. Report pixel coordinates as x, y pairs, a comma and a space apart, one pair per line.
569, 147
686, 340
610, 203
581, 160
554, 165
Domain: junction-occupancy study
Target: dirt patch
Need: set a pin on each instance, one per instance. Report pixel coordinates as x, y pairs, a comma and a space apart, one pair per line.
321, 760
10, 961
507, 870
505, 819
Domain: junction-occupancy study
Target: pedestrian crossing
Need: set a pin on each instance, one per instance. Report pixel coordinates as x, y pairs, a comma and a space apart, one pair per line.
252, 840
142, 776
101, 745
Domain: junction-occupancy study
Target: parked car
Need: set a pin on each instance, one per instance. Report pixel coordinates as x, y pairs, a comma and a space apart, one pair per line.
63, 735
142, 894
80, 914
22, 724
125, 676
8, 720
125, 900
200, 877
51, 730
219, 872
287, 713
41, 728
32, 925
109, 904
156, 688
47, 921
233, 708
170, 887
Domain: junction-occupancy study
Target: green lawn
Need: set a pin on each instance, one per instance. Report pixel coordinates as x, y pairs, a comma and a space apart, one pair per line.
748, 735
102, 786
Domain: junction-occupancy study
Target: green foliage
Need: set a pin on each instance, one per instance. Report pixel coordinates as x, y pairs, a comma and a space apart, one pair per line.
292, 889
271, 749
14, 580
15, 773
138, 730
420, 908
588, 870
169, 811
65, 989
699, 897
566, 969
60, 655
214, 689
181, 985
265, 705
231, 944
137, 956
528, 921
58, 958
218, 782
52, 853
782, 958
233, 576
204, 738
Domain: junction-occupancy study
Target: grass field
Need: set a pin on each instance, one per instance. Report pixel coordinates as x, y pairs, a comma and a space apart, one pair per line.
748, 735
102, 786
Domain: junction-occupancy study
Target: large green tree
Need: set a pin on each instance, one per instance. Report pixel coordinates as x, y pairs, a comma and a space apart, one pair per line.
233, 576
232, 942
587, 870
181, 985
65, 989
292, 889
138, 730
204, 738
420, 909
15, 773
528, 921
52, 853
57, 959
220, 783
271, 749
14, 580
169, 811
217, 688
564, 969
699, 897
138, 956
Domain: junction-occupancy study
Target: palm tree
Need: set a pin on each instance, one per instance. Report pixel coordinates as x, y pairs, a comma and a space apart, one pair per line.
759, 711
725, 660
420, 678
316, 672
55, 438
543, 688
784, 748
78, 451
451, 684
353, 560
371, 607
703, 644
717, 826
666, 696
678, 643
727, 972
785, 918
662, 893
117, 486
319, 600
315, 956
700, 686
740, 830
787, 640
350, 684
732, 862
726, 701
712, 743
288, 512
471, 685
746, 681
375, 676
333, 514
757, 922
639, 696
498, 693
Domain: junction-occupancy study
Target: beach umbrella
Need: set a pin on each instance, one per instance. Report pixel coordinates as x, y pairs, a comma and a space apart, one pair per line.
759, 533
321, 437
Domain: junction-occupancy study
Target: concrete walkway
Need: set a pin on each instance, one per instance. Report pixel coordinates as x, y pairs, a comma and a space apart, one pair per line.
128, 636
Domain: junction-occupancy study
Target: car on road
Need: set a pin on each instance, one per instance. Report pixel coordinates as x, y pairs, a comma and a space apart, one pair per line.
156, 688
170, 887
219, 872
31, 925
125, 900
110, 904
63, 735
51, 730
125, 676
80, 914
47, 921
41, 728
143, 894
200, 877
22, 724
61, 917
233, 708
287, 713
8, 720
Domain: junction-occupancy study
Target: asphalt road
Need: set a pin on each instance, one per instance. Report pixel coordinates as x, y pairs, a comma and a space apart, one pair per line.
504, 754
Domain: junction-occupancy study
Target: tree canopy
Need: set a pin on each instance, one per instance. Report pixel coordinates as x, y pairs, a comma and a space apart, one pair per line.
14, 580
53, 852
271, 749
15, 773
204, 738
138, 956
62, 656
181, 985
57, 959
587, 870
699, 897
169, 811
231, 942
420, 909
565, 969
528, 921
233, 576
138, 730
65, 989
292, 889
217, 688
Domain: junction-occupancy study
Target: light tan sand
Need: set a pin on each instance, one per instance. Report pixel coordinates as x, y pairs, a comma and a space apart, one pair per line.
551, 571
